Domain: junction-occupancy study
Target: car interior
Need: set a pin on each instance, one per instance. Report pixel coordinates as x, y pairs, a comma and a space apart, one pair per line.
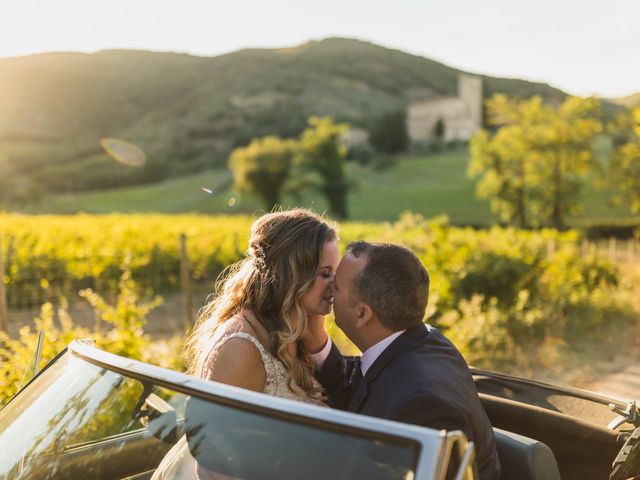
545, 432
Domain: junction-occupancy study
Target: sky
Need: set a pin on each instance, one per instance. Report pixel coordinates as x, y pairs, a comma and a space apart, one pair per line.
584, 47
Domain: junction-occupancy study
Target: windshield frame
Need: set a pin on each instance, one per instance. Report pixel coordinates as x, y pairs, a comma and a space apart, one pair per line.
436, 447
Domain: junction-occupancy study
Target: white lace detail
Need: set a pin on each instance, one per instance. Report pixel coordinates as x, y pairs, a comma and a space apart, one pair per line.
276, 382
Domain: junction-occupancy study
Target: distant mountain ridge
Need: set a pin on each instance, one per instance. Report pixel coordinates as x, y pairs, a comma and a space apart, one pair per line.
630, 101
189, 112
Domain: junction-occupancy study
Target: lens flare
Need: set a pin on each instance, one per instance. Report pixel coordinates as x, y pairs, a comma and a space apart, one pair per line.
232, 202
123, 152
550, 351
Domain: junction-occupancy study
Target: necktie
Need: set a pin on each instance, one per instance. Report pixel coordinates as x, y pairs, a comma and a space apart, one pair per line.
357, 386
355, 373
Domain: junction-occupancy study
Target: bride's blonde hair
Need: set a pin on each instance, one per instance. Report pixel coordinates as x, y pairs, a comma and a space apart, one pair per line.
282, 262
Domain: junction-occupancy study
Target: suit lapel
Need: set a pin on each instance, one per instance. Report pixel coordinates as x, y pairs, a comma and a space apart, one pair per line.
396, 347
358, 397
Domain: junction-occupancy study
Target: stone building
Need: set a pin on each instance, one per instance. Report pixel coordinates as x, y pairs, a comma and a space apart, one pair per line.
447, 118
354, 137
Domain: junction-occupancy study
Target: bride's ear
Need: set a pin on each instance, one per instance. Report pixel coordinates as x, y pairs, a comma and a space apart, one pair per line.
364, 314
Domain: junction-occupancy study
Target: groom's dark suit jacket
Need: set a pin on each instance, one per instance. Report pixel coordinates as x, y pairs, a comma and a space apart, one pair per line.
420, 378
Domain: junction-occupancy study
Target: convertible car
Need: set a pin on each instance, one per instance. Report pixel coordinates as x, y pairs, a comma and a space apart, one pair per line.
91, 414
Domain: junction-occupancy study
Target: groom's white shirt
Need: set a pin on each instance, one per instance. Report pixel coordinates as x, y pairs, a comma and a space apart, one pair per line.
368, 356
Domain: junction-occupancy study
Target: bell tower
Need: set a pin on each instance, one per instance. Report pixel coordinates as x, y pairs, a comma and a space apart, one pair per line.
470, 92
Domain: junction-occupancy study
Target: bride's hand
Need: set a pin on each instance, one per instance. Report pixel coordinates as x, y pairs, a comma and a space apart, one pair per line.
314, 337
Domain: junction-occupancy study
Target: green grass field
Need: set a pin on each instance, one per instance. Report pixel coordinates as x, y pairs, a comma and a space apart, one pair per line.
428, 184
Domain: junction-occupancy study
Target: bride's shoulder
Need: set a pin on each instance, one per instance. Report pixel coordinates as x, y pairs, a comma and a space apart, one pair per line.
235, 358
226, 337
236, 362
238, 323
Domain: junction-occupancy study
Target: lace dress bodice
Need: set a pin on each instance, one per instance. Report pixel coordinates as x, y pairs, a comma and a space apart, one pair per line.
276, 384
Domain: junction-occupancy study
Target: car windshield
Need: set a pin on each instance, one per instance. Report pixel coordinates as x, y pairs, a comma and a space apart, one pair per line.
78, 420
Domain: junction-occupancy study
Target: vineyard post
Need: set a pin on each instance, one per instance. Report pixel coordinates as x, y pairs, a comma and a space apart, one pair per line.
612, 248
551, 247
185, 283
585, 248
4, 316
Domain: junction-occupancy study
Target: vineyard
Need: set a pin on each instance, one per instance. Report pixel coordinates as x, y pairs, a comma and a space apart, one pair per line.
508, 298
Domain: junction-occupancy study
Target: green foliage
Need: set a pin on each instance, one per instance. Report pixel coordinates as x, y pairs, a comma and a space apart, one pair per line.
500, 163
263, 167
497, 275
624, 165
124, 336
532, 167
430, 184
68, 254
502, 294
364, 153
388, 132
477, 326
16, 354
126, 319
322, 152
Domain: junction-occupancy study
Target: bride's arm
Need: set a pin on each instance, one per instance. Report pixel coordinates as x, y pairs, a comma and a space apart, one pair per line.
237, 362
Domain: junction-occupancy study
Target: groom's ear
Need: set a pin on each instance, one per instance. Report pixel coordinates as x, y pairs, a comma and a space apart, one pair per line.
364, 314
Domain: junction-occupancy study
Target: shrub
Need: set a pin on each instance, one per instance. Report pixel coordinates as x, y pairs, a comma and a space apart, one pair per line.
499, 293
124, 334
499, 276
362, 153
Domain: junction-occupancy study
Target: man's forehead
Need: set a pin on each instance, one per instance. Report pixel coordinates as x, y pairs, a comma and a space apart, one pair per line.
351, 265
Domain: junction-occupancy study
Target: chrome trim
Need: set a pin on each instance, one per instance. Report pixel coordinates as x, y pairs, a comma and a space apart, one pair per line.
467, 452
435, 446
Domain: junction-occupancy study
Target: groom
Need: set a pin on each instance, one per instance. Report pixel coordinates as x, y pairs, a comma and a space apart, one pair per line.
408, 372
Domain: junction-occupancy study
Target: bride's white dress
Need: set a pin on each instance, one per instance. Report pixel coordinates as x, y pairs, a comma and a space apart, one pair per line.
276, 383
178, 464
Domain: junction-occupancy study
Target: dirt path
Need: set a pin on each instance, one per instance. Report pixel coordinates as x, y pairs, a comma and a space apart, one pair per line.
623, 383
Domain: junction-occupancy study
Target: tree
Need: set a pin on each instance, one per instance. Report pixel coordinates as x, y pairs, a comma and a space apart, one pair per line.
263, 167
322, 152
500, 160
388, 132
562, 154
532, 167
624, 164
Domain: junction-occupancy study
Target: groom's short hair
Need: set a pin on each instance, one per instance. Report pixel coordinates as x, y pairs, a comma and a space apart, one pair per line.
393, 283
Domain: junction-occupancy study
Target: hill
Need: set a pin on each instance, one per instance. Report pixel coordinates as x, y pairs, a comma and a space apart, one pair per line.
188, 112
630, 101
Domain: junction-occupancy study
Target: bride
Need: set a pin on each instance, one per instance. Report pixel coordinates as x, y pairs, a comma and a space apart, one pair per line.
250, 334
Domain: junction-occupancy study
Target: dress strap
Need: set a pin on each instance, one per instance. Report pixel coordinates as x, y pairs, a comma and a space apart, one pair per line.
267, 359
